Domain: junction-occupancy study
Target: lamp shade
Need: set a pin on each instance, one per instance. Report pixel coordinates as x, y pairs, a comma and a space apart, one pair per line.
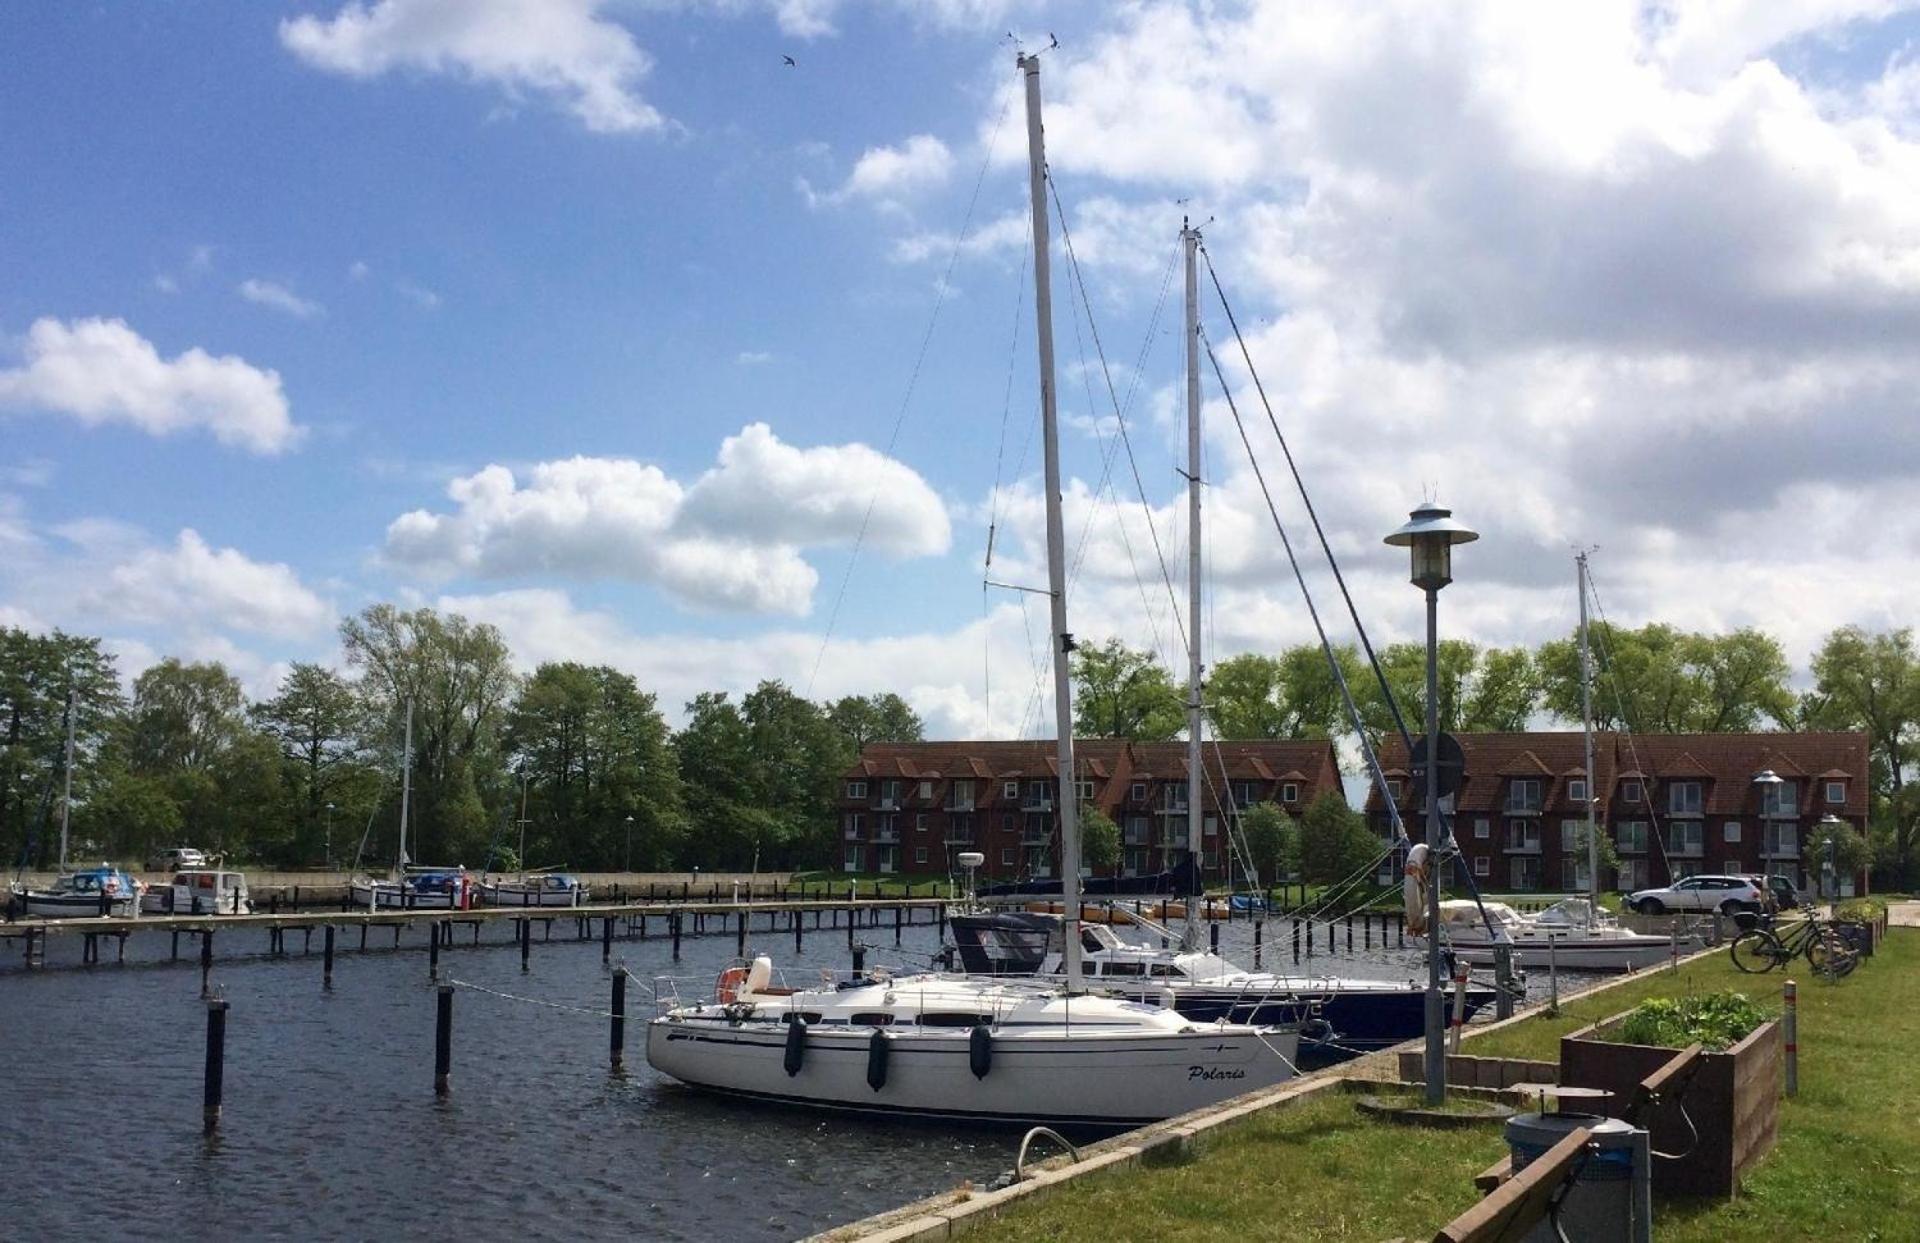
1431, 532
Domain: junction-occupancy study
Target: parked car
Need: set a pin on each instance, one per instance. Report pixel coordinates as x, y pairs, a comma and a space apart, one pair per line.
1769, 898
1727, 894
1785, 896
175, 859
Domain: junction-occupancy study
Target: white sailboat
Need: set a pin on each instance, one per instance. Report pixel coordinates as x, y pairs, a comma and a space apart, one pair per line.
406, 887
976, 1047
538, 887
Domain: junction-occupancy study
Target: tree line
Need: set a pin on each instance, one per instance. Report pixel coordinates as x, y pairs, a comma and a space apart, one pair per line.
577, 761
1654, 679
573, 763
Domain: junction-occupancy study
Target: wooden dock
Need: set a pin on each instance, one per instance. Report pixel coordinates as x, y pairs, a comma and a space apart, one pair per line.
612, 921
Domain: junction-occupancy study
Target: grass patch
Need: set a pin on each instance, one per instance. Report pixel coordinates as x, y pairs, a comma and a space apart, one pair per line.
1847, 1164
1317, 1171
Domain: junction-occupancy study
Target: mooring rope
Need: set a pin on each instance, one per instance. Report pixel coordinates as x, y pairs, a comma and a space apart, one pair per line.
538, 1001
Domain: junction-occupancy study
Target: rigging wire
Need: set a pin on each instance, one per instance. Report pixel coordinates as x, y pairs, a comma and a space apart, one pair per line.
913, 383
1626, 723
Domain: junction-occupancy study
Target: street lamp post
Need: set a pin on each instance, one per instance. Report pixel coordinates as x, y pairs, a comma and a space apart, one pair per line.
629, 865
1829, 882
1431, 533
329, 837
1767, 783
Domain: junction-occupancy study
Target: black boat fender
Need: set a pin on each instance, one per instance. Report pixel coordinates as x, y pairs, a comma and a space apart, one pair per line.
980, 1050
877, 1049
796, 1045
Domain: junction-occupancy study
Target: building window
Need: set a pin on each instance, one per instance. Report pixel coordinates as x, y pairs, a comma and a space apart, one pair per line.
1136, 830
1006, 822
1630, 792
926, 791
852, 863
1211, 826
1577, 790
1083, 790
1523, 794
1139, 792
890, 793
1836, 791
1730, 867
1482, 865
856, 824
1630, 874
1523, 835
1632, 836
920, 822
1526, 874
1683, 798
1483, 828
1006, 856
856, 789
1684, 839
1573, 835
1782, 801
919, 854
1730, 831
1011, 790
960, 796
1290, 792
1393, 788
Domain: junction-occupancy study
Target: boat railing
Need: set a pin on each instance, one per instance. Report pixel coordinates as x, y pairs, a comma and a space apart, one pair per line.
677, 992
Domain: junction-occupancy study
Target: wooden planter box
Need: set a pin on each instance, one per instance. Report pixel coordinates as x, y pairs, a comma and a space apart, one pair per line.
1734, 1101
1860, 937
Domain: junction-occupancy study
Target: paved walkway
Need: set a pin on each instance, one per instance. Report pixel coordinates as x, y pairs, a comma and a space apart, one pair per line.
1904, 914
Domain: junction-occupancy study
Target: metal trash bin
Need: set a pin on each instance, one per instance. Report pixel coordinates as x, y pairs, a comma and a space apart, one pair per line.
1611, 1200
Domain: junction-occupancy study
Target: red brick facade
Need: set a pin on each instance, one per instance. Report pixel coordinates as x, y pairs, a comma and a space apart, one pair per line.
910, 807
1674, 804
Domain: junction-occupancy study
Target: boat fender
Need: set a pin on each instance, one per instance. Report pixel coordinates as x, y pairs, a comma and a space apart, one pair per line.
1414, 888
877, 1049
980, 1050
796, 1045
728, 986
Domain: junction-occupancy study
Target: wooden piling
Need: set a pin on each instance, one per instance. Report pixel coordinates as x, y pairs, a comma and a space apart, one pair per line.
674, 920
606, 938
617, 1041
740, 933
326, 962
1213, 936
526, 943
206, 962
1296, 939
433, 951
213, 1081
1259, 935
896, 924
798, 924
443, 1041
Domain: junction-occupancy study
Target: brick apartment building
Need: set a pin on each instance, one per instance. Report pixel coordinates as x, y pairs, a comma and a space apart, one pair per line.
911, 807
1674, 805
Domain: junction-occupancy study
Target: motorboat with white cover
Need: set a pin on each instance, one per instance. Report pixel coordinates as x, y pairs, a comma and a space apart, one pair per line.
199, 891
960, 1047
533, 889
1338, 1015
1573, 934
105, 890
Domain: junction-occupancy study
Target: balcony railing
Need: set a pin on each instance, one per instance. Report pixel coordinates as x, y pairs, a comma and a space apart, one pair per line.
854, 833
960, 837
957, 803
886, 835
1523, 846
1037, 802
1036, 837
887, 802
1781, 846
1136, 837
1529, 806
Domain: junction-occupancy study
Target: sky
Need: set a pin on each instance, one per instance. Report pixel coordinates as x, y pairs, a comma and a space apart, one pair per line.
599, 321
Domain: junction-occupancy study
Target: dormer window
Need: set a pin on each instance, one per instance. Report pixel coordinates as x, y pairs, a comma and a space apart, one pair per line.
1632, 792
1684, 798
856, 789
1836, 792
1138, 792
1577, 790
1393, 788
1011, 790
1290, 792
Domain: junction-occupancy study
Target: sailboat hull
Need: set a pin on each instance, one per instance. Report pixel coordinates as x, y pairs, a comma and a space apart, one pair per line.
1050, 1077
34, 904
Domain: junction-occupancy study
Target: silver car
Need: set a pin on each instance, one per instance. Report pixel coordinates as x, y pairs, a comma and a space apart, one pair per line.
176, 858
1728, 895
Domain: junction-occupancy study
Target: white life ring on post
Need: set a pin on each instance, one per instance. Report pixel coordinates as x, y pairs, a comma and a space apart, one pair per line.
1414, 889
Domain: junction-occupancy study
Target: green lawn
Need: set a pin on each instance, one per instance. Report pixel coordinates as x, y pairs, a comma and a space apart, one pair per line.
1847, 1164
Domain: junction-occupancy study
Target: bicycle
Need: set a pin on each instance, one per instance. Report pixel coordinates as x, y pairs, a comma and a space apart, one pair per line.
1759, 950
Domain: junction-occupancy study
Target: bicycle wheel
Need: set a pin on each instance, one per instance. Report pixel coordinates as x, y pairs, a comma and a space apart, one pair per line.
1829, 958
1757, 952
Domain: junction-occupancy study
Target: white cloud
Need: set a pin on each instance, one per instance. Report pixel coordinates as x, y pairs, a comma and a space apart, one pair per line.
419, 295
101, 371
192, 583
565, 49
813, 19
279, 297
731, 541
882, 173
752, 358
358, 270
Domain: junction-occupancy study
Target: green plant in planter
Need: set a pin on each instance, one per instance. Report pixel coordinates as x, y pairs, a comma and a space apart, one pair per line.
1713, 1020
1860, 911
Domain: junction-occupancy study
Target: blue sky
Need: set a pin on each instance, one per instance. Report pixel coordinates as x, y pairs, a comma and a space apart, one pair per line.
292, 289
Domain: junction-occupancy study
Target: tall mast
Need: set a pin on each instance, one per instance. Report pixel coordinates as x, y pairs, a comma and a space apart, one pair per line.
66, 778
1069, 811
1586, 728
1190, 934
406, 787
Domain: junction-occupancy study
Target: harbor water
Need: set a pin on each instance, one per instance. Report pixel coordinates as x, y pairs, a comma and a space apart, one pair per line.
331, 1128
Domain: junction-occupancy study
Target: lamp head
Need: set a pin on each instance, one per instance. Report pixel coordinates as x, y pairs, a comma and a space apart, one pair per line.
1431, 532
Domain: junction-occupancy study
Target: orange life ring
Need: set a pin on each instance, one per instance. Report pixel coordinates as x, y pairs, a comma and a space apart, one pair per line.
729, 984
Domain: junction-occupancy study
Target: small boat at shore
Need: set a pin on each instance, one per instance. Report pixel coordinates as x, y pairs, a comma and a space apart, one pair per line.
960, 1048
199, 891
1573, 934
533, 889
101, 891
417, 889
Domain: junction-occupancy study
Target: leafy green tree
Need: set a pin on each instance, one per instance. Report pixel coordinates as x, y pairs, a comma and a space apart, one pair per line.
1335, 842
459, 678
1871, 682
1119, 692
885, 717
760, 779
36, 673
1099, 839
1292, 695
1504, 692
1273, 841
1658, 679
1849, 848
317, 721
594, 749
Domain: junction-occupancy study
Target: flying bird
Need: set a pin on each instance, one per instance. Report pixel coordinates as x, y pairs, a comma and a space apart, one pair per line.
791, 63
1053, 41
